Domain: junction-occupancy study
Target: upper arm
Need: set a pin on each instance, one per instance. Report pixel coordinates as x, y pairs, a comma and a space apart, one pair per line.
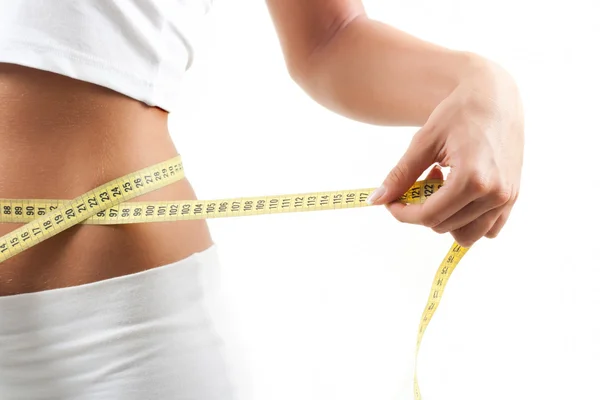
305, 25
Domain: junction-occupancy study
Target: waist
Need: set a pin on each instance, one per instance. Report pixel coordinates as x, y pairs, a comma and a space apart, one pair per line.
61, 138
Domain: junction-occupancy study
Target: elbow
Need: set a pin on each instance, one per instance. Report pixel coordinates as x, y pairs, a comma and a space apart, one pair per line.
312, 77
303, 68
308, 76
298, 72
305, 74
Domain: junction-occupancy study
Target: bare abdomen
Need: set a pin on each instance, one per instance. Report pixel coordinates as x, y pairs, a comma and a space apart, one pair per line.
59, 138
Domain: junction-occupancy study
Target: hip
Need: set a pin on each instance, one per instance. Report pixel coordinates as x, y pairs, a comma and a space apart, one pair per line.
148, 335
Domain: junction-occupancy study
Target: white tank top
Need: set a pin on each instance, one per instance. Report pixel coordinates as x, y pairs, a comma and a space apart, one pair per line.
140, 48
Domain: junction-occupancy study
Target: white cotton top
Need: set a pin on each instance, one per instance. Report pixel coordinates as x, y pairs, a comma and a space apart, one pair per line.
140, 48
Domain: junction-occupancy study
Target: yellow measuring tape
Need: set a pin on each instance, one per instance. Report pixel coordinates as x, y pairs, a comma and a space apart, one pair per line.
107, 204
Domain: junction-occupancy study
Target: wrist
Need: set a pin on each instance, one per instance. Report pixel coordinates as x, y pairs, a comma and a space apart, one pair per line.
483, 81
462, 72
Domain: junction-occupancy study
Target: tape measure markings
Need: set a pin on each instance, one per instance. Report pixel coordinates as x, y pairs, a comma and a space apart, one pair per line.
19, 210
107, 204
72, 212
442, 275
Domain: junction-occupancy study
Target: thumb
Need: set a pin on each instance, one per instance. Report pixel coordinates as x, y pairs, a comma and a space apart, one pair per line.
418, 157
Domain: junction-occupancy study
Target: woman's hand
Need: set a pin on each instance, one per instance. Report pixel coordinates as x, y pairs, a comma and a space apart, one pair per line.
478, 132
469, 109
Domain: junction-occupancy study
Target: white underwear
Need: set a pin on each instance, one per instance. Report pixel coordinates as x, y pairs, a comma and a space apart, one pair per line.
145, 336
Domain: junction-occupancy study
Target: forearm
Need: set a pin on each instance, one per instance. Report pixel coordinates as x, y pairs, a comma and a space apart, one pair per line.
374, 73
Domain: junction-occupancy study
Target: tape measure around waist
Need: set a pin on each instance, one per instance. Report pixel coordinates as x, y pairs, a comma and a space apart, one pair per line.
108, 204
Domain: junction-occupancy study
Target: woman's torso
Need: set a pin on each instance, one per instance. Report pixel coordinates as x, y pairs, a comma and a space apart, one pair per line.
61, 137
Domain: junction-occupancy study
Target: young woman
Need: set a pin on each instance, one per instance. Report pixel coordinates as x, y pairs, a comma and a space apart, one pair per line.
86, 87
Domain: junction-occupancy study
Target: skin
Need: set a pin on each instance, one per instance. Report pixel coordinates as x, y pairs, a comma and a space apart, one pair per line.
468, 109
60, 138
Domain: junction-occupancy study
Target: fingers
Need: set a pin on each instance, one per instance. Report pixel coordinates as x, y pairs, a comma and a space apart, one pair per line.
472, 232
469, 209
435, 173
447, 201
477, 196
489, 225
500, 222
471, 193
469, 213
396, 207
483, 144
419, 156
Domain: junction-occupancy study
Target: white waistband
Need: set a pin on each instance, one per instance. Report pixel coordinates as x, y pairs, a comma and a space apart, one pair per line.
142, 336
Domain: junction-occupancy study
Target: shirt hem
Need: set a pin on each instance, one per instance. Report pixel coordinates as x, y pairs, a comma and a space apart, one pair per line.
87, 69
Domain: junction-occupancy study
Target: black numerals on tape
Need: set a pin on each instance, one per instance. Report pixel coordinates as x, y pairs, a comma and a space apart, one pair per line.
421, 192
206, 209
118, 209
49, 217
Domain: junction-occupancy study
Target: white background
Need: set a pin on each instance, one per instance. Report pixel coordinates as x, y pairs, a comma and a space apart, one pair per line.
325, 305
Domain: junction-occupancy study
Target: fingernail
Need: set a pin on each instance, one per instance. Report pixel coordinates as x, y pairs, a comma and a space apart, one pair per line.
376, 195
